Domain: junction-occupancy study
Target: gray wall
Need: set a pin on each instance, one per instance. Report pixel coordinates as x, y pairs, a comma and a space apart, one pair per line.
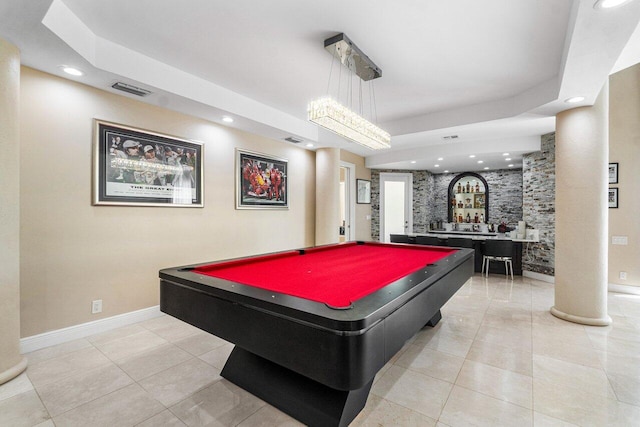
430, 198
539, 174
514, 195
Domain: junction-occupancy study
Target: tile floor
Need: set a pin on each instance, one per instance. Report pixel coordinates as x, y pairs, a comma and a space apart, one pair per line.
497, 358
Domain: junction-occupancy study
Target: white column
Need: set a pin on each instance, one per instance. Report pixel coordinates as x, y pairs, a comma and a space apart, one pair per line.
582, 147
11, 362
327, 196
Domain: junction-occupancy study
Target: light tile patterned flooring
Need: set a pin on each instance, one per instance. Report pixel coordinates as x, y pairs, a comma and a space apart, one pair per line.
497, 358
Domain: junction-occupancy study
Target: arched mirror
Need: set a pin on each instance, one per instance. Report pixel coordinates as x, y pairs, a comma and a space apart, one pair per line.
468, 199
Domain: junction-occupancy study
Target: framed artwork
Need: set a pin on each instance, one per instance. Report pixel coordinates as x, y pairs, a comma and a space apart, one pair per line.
613, 173
137, 167
478, 201
261, 181
363, 192
613, 197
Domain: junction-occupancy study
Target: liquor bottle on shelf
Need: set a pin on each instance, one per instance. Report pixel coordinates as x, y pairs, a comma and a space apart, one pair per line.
482, 218
477, 188
460, 218
468, 187
459, 188
468, 217
476, 219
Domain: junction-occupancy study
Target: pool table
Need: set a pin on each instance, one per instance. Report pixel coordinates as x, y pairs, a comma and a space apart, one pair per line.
313, 326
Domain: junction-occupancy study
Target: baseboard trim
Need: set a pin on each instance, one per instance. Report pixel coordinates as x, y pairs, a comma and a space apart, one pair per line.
59, 336
624, 289
539, 276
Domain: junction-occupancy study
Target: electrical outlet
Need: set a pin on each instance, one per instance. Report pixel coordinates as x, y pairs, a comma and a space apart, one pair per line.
96, 306
623, 275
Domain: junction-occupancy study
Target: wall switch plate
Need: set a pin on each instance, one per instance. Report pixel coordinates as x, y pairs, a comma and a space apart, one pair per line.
96, 306
619, 240
623, 275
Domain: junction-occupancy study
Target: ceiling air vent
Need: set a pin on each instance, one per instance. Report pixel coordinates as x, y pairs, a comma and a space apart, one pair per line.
130, 89
450, 137
292, 139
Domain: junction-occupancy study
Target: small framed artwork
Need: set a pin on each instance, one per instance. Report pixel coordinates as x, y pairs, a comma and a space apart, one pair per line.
478, 201
261, 181
613, 197
138, 167
363, 191
613, 173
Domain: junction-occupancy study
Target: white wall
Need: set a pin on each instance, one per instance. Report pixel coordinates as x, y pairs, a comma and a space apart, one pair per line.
72, 252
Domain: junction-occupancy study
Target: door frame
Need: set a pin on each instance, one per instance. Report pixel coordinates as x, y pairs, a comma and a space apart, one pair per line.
408, 207
350, 203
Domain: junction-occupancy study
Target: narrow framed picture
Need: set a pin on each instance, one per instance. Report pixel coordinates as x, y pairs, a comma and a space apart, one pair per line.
261, 181
363, 191
613, 197
613, 173
138, 167
478, 201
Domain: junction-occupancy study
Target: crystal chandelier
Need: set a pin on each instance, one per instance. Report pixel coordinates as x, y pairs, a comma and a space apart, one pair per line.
334, 116
337, 118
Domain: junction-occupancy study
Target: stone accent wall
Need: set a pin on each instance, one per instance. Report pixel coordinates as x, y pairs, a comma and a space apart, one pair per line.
423, 196
514, 194
430, 199
539, 206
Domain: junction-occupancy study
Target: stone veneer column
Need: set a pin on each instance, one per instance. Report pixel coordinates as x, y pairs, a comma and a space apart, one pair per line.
582, 213
327, 196
11, 362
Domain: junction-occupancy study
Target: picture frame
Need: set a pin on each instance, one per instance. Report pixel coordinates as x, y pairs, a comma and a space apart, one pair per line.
261, 181
613, 197
613, 173
479, 201
363, 191
136, 167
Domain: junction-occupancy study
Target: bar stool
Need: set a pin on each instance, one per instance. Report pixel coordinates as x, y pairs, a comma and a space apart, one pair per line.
428, 240
498, 250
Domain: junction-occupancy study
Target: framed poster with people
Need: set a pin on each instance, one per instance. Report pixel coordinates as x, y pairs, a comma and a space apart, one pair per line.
261, 181
137, 167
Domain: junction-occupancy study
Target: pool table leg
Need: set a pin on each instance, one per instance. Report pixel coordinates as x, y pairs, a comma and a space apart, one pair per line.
435, 319
304, 399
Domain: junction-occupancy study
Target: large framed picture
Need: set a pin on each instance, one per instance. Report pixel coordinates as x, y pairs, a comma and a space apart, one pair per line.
142, 168
261, 181
613, 197
613, 173
363, 191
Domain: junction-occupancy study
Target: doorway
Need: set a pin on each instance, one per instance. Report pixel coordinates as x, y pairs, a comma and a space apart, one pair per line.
347, 201
396, 201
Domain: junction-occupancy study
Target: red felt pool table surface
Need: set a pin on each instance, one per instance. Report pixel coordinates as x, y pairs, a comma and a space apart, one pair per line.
336, 275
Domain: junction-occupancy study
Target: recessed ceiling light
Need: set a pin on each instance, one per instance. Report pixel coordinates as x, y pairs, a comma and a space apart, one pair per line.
447, 171
227, 119
71, 70
505, 154
508, 159
511, 165
413, 162
480, 161
472, 156
608, 4
574, 99
309, 145
436, 166
440, 159
486, 167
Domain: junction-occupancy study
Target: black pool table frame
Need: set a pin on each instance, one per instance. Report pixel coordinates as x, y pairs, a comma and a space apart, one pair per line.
311, 361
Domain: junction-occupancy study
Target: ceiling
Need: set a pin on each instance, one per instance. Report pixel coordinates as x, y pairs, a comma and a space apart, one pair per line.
458, 78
